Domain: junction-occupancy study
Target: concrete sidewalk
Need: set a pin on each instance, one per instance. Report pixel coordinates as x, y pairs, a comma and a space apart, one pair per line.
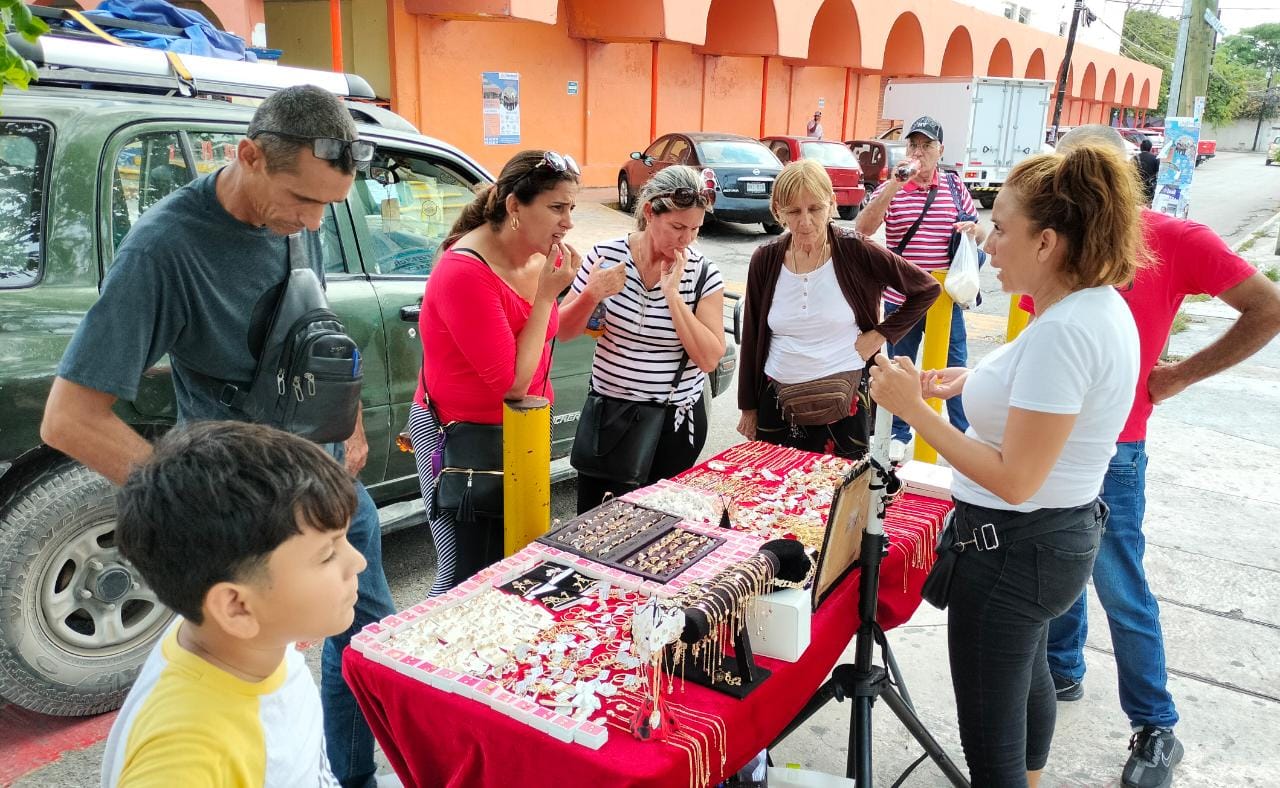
1213, 561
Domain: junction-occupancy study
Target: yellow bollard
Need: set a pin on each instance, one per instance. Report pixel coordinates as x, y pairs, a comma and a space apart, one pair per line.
1018, 319
526, 462
937, 336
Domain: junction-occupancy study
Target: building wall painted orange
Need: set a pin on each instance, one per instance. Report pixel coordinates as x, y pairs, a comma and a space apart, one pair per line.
679, 92
811, 84
733, 93
618, 108
780, 109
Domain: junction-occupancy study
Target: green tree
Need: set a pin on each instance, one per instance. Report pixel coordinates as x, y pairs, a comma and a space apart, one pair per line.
15, 69
1151, 38
1254, 46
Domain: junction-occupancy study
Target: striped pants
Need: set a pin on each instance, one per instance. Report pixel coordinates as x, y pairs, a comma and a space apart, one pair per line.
462, 549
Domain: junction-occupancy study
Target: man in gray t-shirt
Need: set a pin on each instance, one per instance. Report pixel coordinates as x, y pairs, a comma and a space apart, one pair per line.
198, 277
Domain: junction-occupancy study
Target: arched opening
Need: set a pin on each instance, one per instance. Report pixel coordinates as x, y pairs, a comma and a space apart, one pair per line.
1144, 95
1035, 66
904, 47
742, 27
957, 58
1109, 86
1089, 85
835, 38
1001, 63
1126, 96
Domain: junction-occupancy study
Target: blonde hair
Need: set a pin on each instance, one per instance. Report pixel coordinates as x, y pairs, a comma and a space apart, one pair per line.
1089, 195
800, 177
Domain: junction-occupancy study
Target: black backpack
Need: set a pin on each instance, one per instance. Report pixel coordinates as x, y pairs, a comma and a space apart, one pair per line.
307, 380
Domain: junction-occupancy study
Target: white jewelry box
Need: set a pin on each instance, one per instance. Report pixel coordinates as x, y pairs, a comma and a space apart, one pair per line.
778, 624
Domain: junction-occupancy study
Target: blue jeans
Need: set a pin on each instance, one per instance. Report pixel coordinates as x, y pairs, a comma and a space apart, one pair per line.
957, 356
347, 737
1121, 586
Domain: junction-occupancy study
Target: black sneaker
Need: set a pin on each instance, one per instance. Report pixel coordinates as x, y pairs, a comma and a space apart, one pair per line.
1066, 689
1153, 752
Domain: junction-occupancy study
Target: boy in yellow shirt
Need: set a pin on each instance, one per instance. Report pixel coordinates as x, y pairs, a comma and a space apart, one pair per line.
240, 529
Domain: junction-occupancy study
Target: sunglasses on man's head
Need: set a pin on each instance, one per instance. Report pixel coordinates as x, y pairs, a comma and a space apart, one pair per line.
331, 149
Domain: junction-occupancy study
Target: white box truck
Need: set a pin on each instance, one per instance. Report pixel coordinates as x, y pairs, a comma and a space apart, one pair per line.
989, 124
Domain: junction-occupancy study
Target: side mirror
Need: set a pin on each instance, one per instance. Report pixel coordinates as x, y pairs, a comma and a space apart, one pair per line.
637, 155
640, 157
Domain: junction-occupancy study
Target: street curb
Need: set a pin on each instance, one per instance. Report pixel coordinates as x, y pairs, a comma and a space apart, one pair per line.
1260, 230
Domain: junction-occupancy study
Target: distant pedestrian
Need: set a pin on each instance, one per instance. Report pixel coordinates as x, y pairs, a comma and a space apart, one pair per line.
814, 129
923, 209
1148, 167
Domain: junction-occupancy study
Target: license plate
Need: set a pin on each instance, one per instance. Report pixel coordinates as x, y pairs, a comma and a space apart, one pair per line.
755, 187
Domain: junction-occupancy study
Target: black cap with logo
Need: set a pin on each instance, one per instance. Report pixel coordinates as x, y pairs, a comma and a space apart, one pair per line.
928, 127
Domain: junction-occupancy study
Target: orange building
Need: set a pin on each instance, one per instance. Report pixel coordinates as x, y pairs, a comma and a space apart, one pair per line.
601, 78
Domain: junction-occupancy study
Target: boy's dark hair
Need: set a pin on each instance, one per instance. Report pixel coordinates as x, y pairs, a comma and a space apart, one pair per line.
216, 498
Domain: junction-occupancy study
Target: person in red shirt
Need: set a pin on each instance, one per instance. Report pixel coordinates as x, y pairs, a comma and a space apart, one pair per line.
1187, 259
487, 317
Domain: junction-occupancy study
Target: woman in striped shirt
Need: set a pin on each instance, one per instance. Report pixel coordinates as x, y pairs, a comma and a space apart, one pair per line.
658, 321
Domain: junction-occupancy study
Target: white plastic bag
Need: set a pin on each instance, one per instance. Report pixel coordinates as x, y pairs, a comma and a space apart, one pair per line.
962, 279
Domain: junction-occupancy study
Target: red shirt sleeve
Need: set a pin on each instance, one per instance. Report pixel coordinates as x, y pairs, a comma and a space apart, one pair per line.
1206, 264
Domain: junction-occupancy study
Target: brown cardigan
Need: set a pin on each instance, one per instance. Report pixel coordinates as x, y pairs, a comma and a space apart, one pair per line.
863, 269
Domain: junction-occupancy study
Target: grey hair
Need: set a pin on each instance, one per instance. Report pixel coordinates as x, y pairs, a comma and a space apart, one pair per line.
666, 181
1092, 134
302, 111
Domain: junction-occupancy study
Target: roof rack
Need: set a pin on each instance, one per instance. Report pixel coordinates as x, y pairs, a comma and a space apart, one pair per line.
64, 58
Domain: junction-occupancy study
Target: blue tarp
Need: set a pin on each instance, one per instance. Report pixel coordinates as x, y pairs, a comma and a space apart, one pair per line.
200, 36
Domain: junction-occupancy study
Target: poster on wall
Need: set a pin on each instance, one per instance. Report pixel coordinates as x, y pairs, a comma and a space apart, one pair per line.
501, 90
1177, 166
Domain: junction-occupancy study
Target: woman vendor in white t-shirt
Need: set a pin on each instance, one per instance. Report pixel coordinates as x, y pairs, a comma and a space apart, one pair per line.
1044, 413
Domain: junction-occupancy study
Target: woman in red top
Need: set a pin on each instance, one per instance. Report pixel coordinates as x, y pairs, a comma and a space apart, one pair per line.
487, 316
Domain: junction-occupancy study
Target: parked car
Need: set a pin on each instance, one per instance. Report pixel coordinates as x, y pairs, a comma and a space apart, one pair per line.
745, 171
877, 158
840, 163
79, 164
1136, 136
1273, 150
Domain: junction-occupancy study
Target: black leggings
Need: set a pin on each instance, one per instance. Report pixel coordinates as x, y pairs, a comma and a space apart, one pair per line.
845, 438
998, 617
675, 454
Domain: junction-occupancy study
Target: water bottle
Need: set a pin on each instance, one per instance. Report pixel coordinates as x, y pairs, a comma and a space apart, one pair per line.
595, 323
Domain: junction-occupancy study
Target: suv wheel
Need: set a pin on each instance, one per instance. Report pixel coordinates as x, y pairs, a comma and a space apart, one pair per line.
625, 198
76, 620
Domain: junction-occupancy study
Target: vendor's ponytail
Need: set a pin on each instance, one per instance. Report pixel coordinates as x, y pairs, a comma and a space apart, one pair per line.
521, 177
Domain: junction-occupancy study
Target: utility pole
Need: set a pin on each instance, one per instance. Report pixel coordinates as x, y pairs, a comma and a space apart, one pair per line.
1194, 57
1066, 65
1262, 110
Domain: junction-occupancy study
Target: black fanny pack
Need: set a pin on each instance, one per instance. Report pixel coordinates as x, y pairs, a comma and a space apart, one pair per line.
968, 527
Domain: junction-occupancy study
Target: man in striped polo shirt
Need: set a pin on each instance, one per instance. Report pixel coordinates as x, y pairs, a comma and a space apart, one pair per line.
922, 208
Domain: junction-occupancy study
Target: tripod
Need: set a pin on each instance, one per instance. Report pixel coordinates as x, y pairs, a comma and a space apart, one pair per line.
864, 681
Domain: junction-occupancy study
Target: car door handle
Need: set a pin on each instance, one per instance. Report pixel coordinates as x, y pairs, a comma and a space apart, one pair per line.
409, 314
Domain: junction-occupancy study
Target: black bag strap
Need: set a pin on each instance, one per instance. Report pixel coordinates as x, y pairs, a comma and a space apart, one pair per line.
911, 232
297, 257
684, 358
954, 188
473, 253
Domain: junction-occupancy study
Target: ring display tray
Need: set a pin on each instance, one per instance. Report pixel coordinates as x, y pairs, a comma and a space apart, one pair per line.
617, 531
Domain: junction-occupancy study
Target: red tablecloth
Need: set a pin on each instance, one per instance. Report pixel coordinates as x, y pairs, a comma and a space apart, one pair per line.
435, 738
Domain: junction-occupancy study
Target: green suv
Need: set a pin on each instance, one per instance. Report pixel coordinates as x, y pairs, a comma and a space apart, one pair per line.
77, 168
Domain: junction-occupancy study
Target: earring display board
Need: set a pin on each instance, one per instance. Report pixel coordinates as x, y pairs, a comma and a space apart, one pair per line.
846, 523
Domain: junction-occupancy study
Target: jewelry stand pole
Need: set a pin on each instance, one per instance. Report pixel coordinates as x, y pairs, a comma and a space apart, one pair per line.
865, 681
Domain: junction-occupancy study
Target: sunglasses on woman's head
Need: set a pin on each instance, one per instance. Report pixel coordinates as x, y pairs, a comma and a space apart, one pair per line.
329, 148
685, 197
560, 162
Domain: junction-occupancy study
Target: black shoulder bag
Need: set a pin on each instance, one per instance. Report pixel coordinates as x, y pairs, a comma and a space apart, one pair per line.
308, 375
617, 438
470, 482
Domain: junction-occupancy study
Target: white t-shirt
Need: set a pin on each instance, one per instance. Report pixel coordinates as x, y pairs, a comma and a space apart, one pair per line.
1080, 357
813, 327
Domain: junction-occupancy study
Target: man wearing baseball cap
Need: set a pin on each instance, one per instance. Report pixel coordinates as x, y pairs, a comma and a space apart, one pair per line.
922, 209
814, 129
